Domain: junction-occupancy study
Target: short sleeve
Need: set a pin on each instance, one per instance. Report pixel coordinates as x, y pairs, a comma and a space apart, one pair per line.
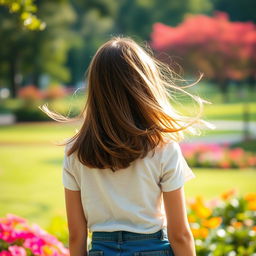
68, 178
175, 170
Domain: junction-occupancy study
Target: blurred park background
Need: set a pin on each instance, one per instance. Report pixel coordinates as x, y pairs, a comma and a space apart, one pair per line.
45, 49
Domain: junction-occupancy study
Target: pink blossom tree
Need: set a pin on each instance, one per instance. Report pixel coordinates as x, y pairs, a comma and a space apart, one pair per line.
221, 49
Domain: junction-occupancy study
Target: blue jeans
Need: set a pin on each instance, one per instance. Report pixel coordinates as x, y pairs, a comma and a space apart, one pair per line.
124, 243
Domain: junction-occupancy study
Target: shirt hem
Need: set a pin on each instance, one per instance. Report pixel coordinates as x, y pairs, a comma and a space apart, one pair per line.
139, 231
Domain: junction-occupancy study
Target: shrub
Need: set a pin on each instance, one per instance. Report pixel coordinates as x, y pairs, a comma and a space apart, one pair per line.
224, 226
31, 96
17, 238
217, 156
30, 92
55, 92
30, 113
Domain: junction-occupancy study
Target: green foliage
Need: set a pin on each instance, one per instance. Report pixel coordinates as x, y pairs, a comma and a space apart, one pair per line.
98, 20
30, 113
62, 51
247, 145
50, 54
143, 14
27, 55
26, 10
224, 226
233, 8
58, 227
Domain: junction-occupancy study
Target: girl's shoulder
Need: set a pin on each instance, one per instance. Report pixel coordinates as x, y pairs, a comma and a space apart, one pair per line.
168, 145
169, 151
70, 158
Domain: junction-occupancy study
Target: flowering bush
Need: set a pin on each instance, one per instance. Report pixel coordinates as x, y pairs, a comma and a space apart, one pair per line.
216, 47
17, 238
225, 226
30, 92
54, 92
216, 155
28, 110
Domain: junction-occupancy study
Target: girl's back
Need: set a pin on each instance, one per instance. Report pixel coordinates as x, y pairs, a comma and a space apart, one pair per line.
129, 199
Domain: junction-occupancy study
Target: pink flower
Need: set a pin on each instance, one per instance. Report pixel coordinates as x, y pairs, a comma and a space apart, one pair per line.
12, 220
14, 229
34, 244
17, 250
5, 253
237, 153
7, 233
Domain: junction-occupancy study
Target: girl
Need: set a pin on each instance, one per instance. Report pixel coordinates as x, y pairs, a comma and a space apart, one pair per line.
126, 160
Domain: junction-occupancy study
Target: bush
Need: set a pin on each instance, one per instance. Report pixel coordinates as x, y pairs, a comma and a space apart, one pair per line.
55, 92
4, 109
224, 226
17, 238
217, 156
30, 93
31, 97
30, 113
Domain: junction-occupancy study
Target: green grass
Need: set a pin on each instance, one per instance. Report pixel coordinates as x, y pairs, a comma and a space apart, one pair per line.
36, 133
30, 182
218, 111
212, 182
48, 133
232, 111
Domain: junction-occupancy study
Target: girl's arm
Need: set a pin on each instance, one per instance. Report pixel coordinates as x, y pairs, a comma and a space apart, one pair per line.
178, 229
77, 223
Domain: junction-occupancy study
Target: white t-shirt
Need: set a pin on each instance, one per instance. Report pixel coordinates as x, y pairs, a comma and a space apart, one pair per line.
129, 199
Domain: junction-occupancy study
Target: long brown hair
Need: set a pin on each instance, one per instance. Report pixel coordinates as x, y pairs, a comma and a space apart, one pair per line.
128, 110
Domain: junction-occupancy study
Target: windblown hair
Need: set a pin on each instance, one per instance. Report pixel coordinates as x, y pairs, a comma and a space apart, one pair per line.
128, 111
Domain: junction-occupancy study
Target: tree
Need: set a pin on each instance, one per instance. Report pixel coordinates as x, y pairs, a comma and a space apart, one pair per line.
136, 17
212, 45
94, 26
26, 54
25, 10
238, 10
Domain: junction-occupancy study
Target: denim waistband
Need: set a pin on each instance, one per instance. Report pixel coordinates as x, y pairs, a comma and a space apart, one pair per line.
121, 236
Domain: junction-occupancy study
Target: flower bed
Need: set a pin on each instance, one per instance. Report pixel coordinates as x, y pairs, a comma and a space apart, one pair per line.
225, 226
217, 156
17, 238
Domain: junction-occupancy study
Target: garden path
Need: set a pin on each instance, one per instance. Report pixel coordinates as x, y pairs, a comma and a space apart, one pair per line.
228, 137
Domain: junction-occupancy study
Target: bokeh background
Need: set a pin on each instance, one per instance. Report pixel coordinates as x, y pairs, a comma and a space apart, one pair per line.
45, 49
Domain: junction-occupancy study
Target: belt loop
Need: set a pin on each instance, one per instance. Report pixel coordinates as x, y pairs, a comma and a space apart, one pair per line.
162, 234
120, 237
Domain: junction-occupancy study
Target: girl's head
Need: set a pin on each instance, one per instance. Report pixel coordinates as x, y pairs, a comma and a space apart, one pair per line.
128, 110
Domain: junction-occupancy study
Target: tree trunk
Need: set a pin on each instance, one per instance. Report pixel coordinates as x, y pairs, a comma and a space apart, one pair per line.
252, 83
14, 85
223, 86
246, 120
35, 78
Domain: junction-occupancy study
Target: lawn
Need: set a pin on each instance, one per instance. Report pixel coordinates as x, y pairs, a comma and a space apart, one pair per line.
54, 132
36, 133
30, 181
214, 111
